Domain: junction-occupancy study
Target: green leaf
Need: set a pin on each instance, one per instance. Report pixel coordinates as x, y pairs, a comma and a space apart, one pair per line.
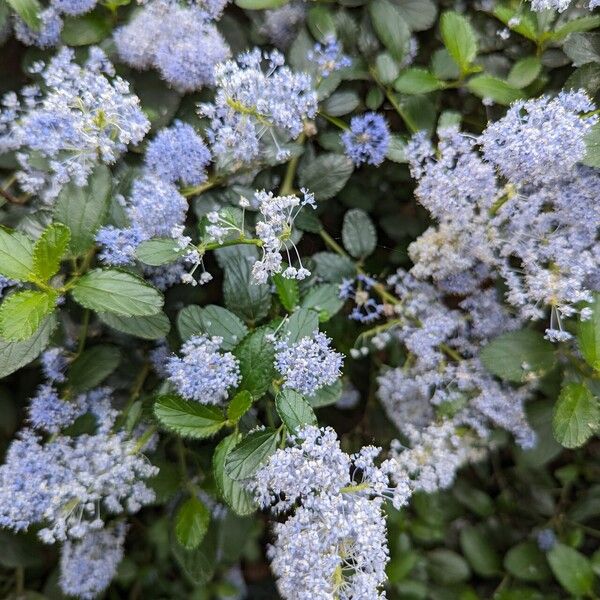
524, 72
447, 567
233, 492
341, 103
14, 355
22, 313
154, 327
517, 355
591, 158
326, 175
118, 292
287, 291
576, 415
324, 299
417, 80
387, 67
333, 267
588, 335
521, 23
358, 233
577, 26
327, 395
199, 564
191, 523
215, 321
572, 569
29, 11
390, 26
247, 456
583, 48
320, 22
93, 366
418, 14
87, 29
492, 88
459, 38
259, 4
479, 552
397, 149
302, 323
527, 562
49, 250
16, 255
159, 251
239, 406
294, 410
82, 209
256, 355
243, 296
188, 418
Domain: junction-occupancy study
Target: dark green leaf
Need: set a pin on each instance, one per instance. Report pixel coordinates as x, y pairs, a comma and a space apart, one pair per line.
526, 562
390, 26
583, 48
191, 523
188, 418
109, 290
592, 155
93, 366
341, 103
22, 313
332, 267
199, 564
387, 67
324, 299
302, 323
358, 233
87, 29
294, 410
249, 454
576, 415
524, 72
49, 250
418, 14
447, 567
479, 552
572, 569
256, 355
327, 395
287, 291
154, 327
239, 405
320, 22
417, 80
577, 26
588, 335
159, 251
326, 175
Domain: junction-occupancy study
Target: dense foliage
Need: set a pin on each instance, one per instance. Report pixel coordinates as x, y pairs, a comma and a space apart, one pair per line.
300, 300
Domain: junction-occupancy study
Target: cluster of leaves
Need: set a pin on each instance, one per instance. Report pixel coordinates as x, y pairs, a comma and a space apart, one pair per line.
477, 540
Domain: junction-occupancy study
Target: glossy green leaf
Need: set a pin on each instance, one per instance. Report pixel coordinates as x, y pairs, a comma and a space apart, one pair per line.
188, 418
294, 410
417, 80
191, 523
239, 406
159, 251
256, 355
251, 452
459, 38
154, 327
49, 249
576, 415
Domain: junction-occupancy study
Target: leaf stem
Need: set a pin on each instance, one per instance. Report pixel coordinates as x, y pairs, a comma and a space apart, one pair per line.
287, 185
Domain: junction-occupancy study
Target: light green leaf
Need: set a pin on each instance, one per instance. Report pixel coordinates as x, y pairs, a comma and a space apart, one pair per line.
82, 209
517, 21
256, 355
29, 11
524, 72
22, 313
417, 80
191, 523
253, 451
591, 158
118, 292
294, 410
326, 175
16, 255
239, 406
324, 299
576, 415
397, 149
188, 418
93, 366
387, 67
259, 4
287, 291
159, 251
49, 250
154, 327
358, 233
588, 335
320, 22
492, 88
302, 323
233, 492
572, 569
459, 38
517, 355
390, 26
577, 26
14, 355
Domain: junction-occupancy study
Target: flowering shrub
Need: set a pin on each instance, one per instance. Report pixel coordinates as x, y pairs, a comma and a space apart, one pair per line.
300, 300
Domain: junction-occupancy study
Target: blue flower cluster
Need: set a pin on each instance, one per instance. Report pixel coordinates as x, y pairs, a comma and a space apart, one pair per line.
368, 139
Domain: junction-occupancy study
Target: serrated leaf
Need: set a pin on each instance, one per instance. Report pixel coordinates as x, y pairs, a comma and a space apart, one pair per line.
16, 255
576, 415
527, 562
234, 493
418, 14
459, 38
191, 523
93, 366
14, 355
154, 327
390, 26
256, 355
253, 451
49, 250
333, 267
358, 233
301, 323
159, 251
109, 290
239, 406
294, 410
324, 299
516, 355
417, 80
524, 72
188, 418
493, 88
82, 209
326, 175
588, 335
572, 569
288, 291
29, 11
22, 313
583, 48
577, 26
